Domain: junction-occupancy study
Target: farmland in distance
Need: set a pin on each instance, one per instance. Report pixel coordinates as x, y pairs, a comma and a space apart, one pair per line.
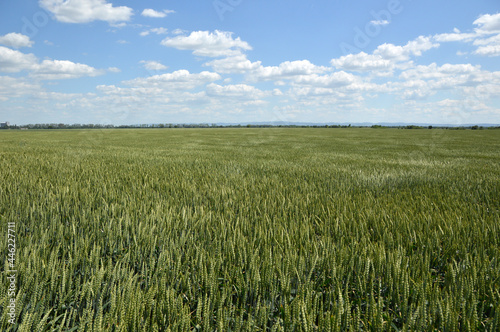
271, 229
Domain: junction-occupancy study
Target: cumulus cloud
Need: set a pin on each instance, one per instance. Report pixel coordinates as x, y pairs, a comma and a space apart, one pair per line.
12, 61
16, 40
241, 91
210, 44
488, 46
64, 69
311, 92
403, 53
234, 64
423, 81
288, 70
488, 24
153, 65
175, 91
419, 45
177, 80
131, 93
415, 89
489, 50
433, 71
454, 37
333, 80
362, 62
84, 11
153, 13
494, 40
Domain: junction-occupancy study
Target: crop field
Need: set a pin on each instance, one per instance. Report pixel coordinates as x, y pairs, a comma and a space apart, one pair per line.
251, 229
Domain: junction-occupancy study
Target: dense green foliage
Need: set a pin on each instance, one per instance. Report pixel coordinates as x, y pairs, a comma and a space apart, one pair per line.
252, 229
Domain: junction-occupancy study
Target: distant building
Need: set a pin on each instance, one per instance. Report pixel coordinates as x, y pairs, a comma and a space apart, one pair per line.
4, 124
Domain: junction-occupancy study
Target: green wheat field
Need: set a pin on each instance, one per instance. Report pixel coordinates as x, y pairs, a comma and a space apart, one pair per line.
252, 229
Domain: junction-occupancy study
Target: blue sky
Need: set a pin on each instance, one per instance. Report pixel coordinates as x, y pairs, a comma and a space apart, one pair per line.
219, 61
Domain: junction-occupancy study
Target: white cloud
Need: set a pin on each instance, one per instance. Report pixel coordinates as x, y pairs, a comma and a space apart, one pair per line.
462, 104
392, 52
490, 50
416, 90
153, 13
234, 64
177, 80
461, 79
454, 37
462, 110
288, 70
132, 93
419, 45
178, 31
403, 53
486, 90
362, 62
493, 40
205, 43
456, 69
380, 22
333, 80
488, 46
16, 40
311, 92
153, 65
488, 24
241, 91
84, 11
433, 71
158, 31
277, 92
64, 69
12, 61
114, 70
11, 87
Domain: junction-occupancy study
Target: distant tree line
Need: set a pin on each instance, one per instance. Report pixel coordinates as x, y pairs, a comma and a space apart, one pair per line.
213, 125
438, 127
58, 126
